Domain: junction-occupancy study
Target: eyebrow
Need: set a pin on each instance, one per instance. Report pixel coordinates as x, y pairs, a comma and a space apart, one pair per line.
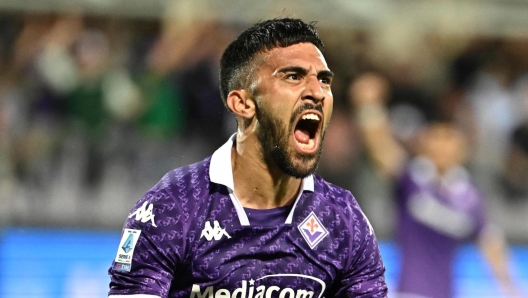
325, 74
304, 71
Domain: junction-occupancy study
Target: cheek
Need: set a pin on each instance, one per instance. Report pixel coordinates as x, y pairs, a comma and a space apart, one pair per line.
328, 115
284, 112
328, 103
279, 101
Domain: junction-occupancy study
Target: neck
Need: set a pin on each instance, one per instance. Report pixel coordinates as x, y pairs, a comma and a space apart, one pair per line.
258, 184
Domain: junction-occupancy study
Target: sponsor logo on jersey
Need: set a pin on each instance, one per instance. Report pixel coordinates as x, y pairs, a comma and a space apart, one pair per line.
144, 213
312, 230
248, 289
125, 252
215, 232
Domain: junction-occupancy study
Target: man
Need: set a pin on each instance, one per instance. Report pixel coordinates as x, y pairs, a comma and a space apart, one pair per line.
439, 207
253, 221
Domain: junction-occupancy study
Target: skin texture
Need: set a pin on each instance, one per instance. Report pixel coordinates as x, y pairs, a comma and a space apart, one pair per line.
267, 162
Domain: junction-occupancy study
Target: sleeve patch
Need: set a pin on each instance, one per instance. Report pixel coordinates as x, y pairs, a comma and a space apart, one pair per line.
125, 251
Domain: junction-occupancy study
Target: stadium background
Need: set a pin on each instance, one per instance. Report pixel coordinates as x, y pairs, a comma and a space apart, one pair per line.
98, 99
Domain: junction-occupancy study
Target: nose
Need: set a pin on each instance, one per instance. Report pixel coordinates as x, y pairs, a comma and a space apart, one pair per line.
314, 90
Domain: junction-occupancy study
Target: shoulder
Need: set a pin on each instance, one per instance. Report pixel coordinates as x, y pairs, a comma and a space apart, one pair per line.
343, 203
184, 183
191, 176
174, 197
331, 192
363, 268
333, 195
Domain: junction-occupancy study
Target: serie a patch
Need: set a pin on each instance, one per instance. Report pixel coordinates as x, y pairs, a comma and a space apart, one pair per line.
125, 251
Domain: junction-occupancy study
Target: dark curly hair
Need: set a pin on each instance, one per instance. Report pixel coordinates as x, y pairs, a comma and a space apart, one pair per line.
237, 59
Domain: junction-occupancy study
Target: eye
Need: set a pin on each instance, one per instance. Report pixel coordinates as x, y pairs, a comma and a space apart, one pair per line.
293, 76
325, 80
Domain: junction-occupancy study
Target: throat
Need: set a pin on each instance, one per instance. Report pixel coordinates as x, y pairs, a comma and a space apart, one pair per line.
263, 190
260, 183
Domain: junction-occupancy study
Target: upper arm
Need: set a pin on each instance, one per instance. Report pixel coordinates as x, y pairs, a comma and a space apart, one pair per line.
150, 249
364, 276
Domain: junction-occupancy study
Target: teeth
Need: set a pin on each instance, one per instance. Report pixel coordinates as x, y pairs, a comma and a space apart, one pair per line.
310, 117
308, 146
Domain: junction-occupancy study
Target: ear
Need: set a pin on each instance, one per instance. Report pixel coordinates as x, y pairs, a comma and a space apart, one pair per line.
241, 104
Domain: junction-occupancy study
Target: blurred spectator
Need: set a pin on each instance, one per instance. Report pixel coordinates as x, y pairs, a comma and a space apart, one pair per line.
515, 171
189, 49
78, 70
493, 108
438, 206
109, 101
339, 158
40, 110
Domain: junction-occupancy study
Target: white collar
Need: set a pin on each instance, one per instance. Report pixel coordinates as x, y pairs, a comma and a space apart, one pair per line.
221, 172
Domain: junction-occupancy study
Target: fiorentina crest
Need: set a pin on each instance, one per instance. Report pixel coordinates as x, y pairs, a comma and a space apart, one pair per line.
312, 230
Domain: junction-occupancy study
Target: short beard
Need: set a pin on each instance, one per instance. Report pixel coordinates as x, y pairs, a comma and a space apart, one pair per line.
273, 138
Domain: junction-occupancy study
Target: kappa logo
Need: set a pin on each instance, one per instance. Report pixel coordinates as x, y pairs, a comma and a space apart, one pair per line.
312, 230
215, 233
144, 214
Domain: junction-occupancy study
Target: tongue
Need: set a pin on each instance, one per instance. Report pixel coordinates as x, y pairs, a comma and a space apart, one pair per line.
302, 136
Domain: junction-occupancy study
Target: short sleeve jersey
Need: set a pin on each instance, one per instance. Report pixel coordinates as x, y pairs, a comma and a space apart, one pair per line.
436, 215
190, 237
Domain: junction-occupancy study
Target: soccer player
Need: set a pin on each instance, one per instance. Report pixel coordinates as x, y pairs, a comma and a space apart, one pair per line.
439, 207
253, 220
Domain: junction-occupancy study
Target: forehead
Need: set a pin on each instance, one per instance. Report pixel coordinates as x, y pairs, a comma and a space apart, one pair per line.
305, 55
443, 133
441, 130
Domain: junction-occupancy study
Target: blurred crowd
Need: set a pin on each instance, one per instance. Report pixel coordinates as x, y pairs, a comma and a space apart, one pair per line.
95, 109
87, 104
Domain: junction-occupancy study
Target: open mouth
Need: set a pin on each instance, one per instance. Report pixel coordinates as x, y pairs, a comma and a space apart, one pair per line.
306, 131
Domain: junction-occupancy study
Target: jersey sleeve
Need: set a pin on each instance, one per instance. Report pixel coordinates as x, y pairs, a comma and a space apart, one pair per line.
364, 275
150, 249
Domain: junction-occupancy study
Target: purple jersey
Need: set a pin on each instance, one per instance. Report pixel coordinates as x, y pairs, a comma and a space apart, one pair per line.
190, 237
436, 214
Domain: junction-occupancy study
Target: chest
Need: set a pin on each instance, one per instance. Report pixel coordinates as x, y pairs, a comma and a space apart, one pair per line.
262, 261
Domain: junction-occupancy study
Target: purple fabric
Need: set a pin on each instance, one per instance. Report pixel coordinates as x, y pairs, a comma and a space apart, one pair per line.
268, 257
428, 250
